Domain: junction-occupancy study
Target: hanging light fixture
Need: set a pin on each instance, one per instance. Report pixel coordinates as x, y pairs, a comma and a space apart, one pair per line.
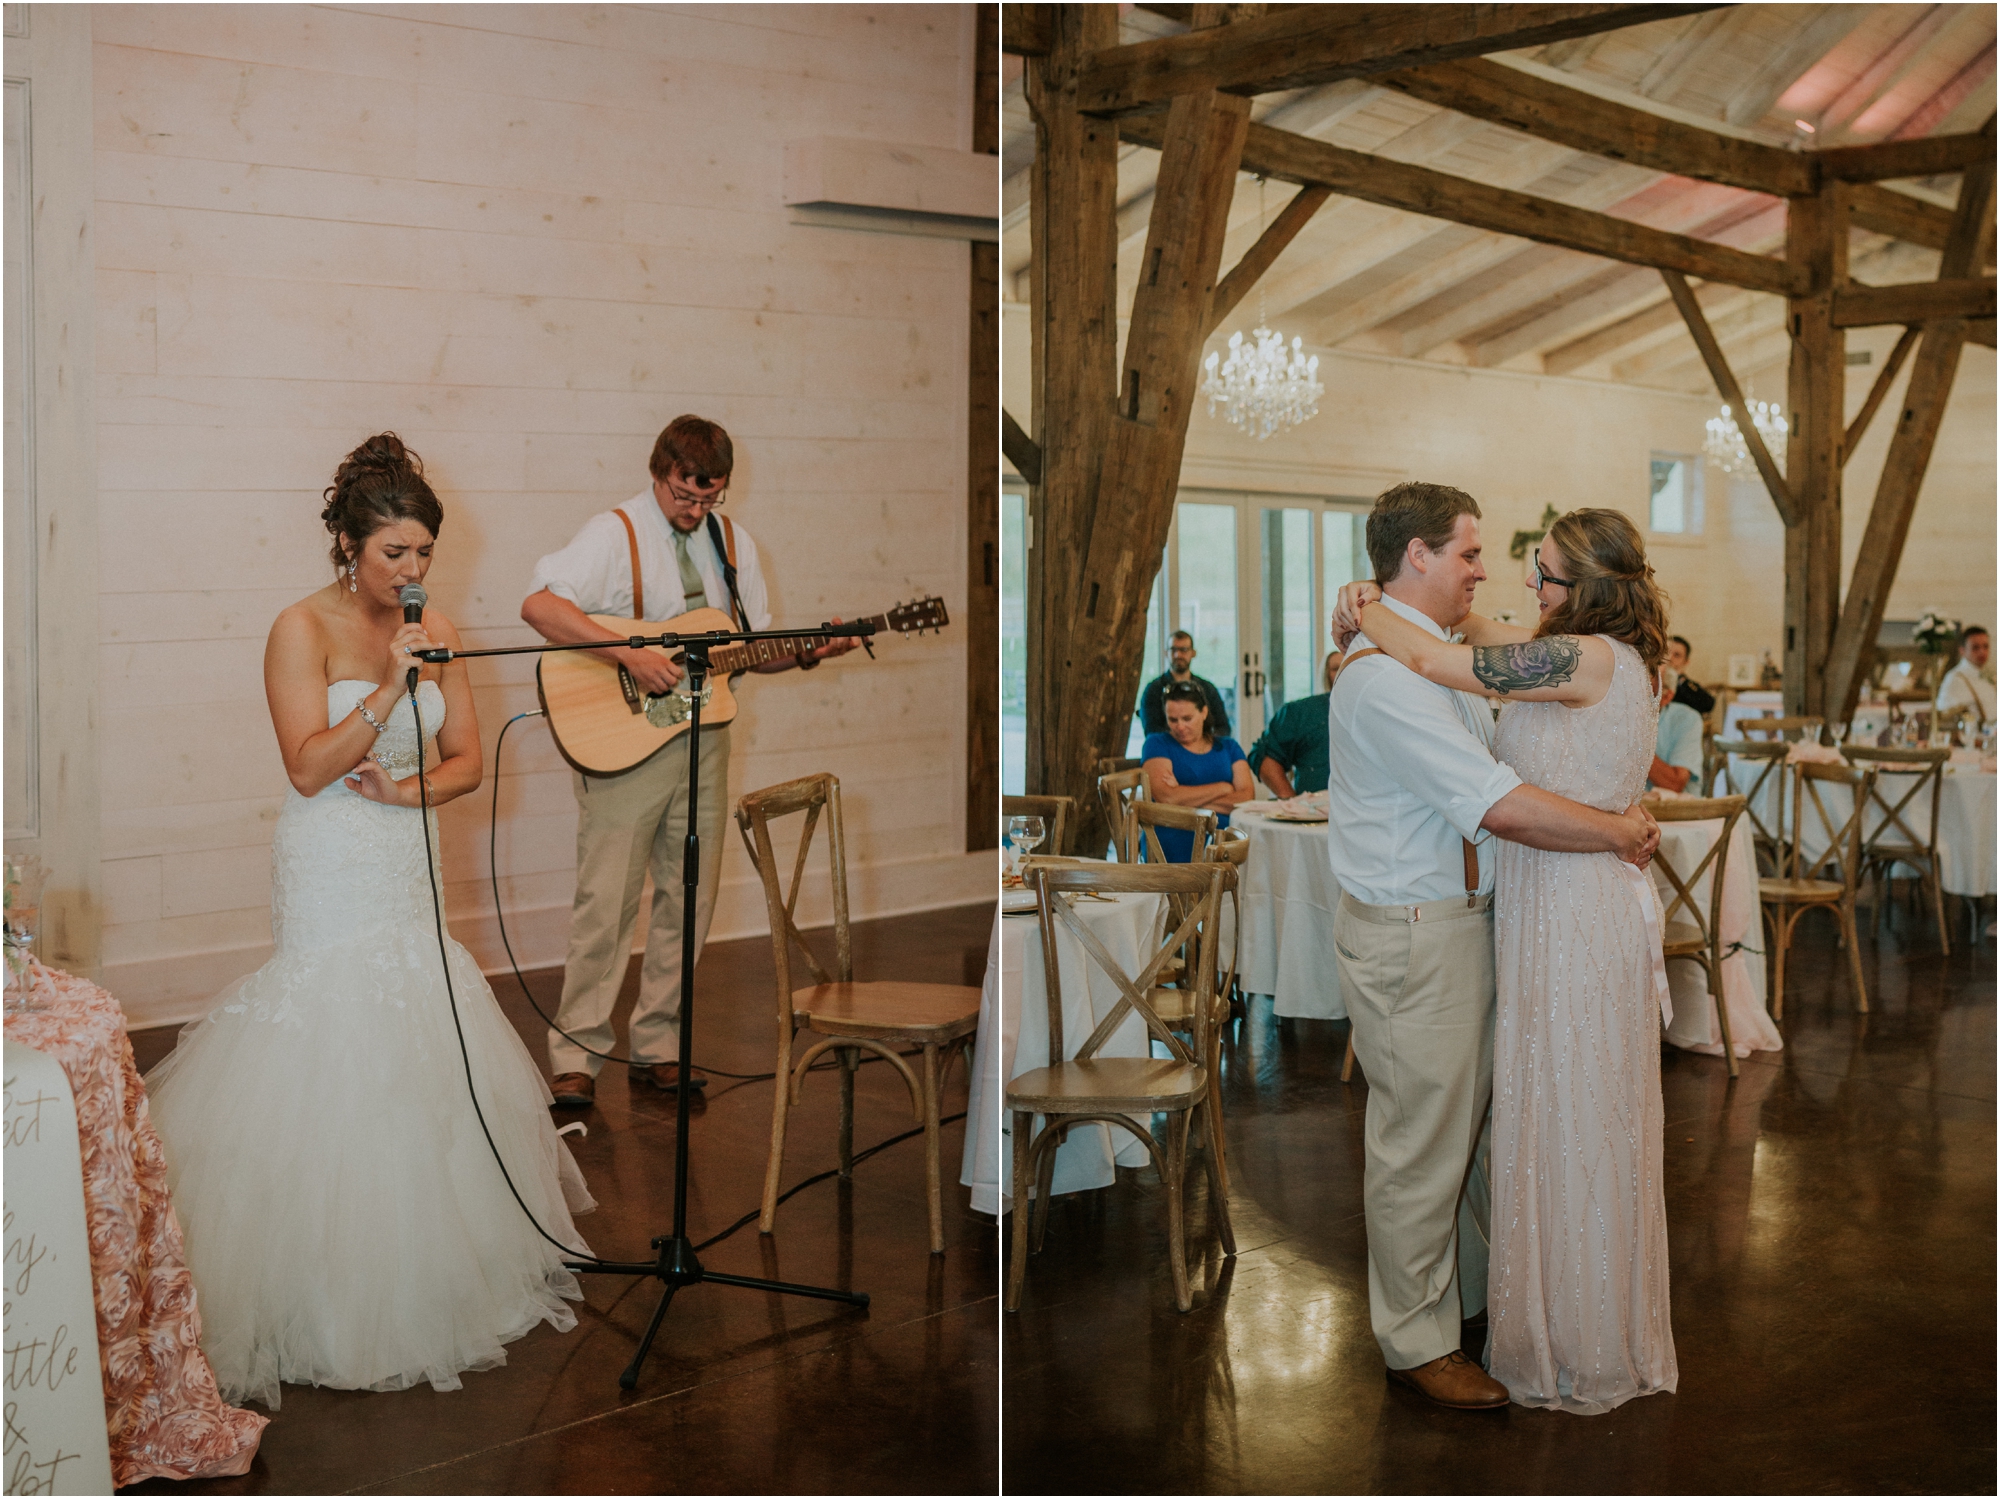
1726, 448
1262, 388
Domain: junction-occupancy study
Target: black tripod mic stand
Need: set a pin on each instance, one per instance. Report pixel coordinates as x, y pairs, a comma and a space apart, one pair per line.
675, 1263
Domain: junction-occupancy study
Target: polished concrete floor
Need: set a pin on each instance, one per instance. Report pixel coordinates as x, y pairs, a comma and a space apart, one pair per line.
744, 1392
1831, 1223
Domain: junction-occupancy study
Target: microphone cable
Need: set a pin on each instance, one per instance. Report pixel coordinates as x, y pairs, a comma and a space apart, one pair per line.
465, 1054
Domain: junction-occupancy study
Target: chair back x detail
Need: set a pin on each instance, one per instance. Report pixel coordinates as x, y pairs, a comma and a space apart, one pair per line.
1054, 812
1080, 1086
1696, 935
1764, 764
835, 1013
1827, 879
1894, 840
1118, 792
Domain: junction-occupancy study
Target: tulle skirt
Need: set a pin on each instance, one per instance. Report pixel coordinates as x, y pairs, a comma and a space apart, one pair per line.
346, 1221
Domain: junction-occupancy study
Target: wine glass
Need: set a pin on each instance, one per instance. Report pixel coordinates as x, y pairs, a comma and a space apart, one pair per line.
1024, 835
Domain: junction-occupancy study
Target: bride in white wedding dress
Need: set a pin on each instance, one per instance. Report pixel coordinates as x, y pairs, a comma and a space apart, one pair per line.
346, 1222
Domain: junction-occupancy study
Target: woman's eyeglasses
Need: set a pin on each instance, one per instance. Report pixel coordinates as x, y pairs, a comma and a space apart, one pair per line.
1541, 577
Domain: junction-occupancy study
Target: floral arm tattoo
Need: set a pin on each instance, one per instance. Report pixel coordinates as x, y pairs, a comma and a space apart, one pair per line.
1547, 662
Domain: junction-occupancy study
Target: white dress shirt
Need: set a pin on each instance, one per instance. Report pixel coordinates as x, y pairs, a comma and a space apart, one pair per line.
594, 572
1412, 774
1964, 687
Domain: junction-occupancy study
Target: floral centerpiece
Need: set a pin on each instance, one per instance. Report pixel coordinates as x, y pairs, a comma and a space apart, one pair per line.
1936, 635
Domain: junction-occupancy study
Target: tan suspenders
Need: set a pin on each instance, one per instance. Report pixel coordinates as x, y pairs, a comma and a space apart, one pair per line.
1471, 854
638, 583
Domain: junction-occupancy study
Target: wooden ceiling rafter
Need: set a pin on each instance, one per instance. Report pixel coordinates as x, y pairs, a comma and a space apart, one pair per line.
1891, 367
1732, 394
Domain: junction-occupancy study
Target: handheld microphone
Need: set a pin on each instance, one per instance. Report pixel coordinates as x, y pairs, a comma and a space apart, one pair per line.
413, 598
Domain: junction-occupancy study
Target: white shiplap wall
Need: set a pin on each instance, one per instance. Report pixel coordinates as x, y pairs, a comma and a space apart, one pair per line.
524, 237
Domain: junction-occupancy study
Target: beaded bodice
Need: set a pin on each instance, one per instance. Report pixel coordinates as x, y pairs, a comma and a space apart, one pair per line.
1597, 755
395, 747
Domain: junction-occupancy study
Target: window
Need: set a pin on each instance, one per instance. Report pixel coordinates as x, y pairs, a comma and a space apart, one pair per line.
1676, 495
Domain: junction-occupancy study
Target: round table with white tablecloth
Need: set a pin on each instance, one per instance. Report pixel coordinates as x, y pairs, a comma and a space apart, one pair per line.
1014, 1038
1289, 895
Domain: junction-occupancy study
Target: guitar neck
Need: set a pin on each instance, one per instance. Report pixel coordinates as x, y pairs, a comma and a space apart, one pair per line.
754, 653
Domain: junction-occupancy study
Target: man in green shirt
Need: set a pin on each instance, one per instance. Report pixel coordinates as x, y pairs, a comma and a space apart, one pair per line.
1291, 755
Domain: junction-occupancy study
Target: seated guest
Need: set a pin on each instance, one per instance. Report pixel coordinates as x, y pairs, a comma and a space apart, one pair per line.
1966, 685
1152, 697
1677, 752
1189, 767
1291, 755
1690, 691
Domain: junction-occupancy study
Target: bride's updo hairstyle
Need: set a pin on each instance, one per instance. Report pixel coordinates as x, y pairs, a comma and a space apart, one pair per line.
378, 483
1614, 593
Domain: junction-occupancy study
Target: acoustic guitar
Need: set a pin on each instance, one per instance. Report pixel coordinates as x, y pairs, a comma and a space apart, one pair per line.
604, 723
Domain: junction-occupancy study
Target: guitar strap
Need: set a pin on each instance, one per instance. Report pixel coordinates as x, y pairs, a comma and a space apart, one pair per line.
723, 538
638, 585
1471, 854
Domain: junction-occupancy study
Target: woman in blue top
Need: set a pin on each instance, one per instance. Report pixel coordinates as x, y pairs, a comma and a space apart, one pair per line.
1185, 767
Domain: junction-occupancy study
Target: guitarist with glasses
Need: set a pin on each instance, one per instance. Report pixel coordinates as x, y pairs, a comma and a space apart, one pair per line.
661, 554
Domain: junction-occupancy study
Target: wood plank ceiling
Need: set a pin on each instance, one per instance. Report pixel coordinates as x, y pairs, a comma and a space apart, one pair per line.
1361, 276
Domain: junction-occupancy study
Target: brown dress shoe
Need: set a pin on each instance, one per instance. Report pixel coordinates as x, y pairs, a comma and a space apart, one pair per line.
666, 1076
1454, 1381
574, 1090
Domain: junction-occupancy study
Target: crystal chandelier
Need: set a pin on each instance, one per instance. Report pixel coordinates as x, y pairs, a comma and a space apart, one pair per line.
1261, 388
1725, 445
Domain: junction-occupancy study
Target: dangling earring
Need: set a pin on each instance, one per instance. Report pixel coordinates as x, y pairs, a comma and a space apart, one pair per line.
353, 579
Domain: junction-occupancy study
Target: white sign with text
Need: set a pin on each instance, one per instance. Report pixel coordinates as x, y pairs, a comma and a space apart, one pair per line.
56, 1441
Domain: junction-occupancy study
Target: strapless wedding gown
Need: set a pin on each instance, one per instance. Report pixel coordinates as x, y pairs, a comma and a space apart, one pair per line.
1577, 1293
346, 1223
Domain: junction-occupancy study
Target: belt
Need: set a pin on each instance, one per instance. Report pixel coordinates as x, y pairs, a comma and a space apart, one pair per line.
1431, 910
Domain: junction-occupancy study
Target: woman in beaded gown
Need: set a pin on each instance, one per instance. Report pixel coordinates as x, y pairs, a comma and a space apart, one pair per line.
1577, 1295
346, 1222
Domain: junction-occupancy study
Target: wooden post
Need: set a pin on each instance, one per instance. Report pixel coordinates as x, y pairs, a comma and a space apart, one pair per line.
1816, 240
1931, 374
1073, 360
982, 489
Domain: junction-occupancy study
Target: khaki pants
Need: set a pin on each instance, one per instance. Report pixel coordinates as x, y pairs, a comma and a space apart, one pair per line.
624, 824
1420, 996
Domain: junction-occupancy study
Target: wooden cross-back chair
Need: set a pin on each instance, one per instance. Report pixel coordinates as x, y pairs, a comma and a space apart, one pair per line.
1054, 812
835, 1013
1148, 817
1804, 726
1766, 767
1082, 1087
1118, 792
1804, 882
1696, 936
1894, 841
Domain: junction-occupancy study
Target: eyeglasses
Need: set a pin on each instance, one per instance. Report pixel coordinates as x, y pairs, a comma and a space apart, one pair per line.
700, 481
1541, 577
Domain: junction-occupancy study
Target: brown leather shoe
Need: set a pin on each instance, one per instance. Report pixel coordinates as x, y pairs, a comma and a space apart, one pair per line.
1454, 1381
666, 1076
574, 1090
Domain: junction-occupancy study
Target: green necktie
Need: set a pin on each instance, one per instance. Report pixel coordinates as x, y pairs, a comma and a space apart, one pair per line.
695, 591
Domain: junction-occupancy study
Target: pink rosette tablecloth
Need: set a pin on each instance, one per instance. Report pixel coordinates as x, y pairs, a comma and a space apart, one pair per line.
165, 1416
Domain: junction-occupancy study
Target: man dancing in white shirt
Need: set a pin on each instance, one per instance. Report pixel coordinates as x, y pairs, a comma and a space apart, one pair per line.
1413, 793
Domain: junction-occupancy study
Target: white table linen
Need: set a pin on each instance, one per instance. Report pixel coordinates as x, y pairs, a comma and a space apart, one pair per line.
1014, 1012
1289, 896
1743, 984
1751, 705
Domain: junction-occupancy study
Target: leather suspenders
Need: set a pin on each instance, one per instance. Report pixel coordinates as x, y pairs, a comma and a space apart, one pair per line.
724, 539
638, 584
1471, 854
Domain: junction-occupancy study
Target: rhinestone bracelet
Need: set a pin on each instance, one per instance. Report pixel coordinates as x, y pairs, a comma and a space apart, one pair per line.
361, 706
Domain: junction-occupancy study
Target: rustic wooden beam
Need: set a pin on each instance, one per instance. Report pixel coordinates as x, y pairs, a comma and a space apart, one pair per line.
1928, 156
1584, 122
1924, 400
1415, 189
1315, 44
1073, 353
1882, 210
1020, 448
982, 487
1816, 240
1979, 331
1026, 30
1890, 368
1725, 382
1280, 232
1860, 306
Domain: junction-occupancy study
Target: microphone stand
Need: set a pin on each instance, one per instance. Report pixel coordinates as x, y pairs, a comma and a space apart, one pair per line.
675, 1264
